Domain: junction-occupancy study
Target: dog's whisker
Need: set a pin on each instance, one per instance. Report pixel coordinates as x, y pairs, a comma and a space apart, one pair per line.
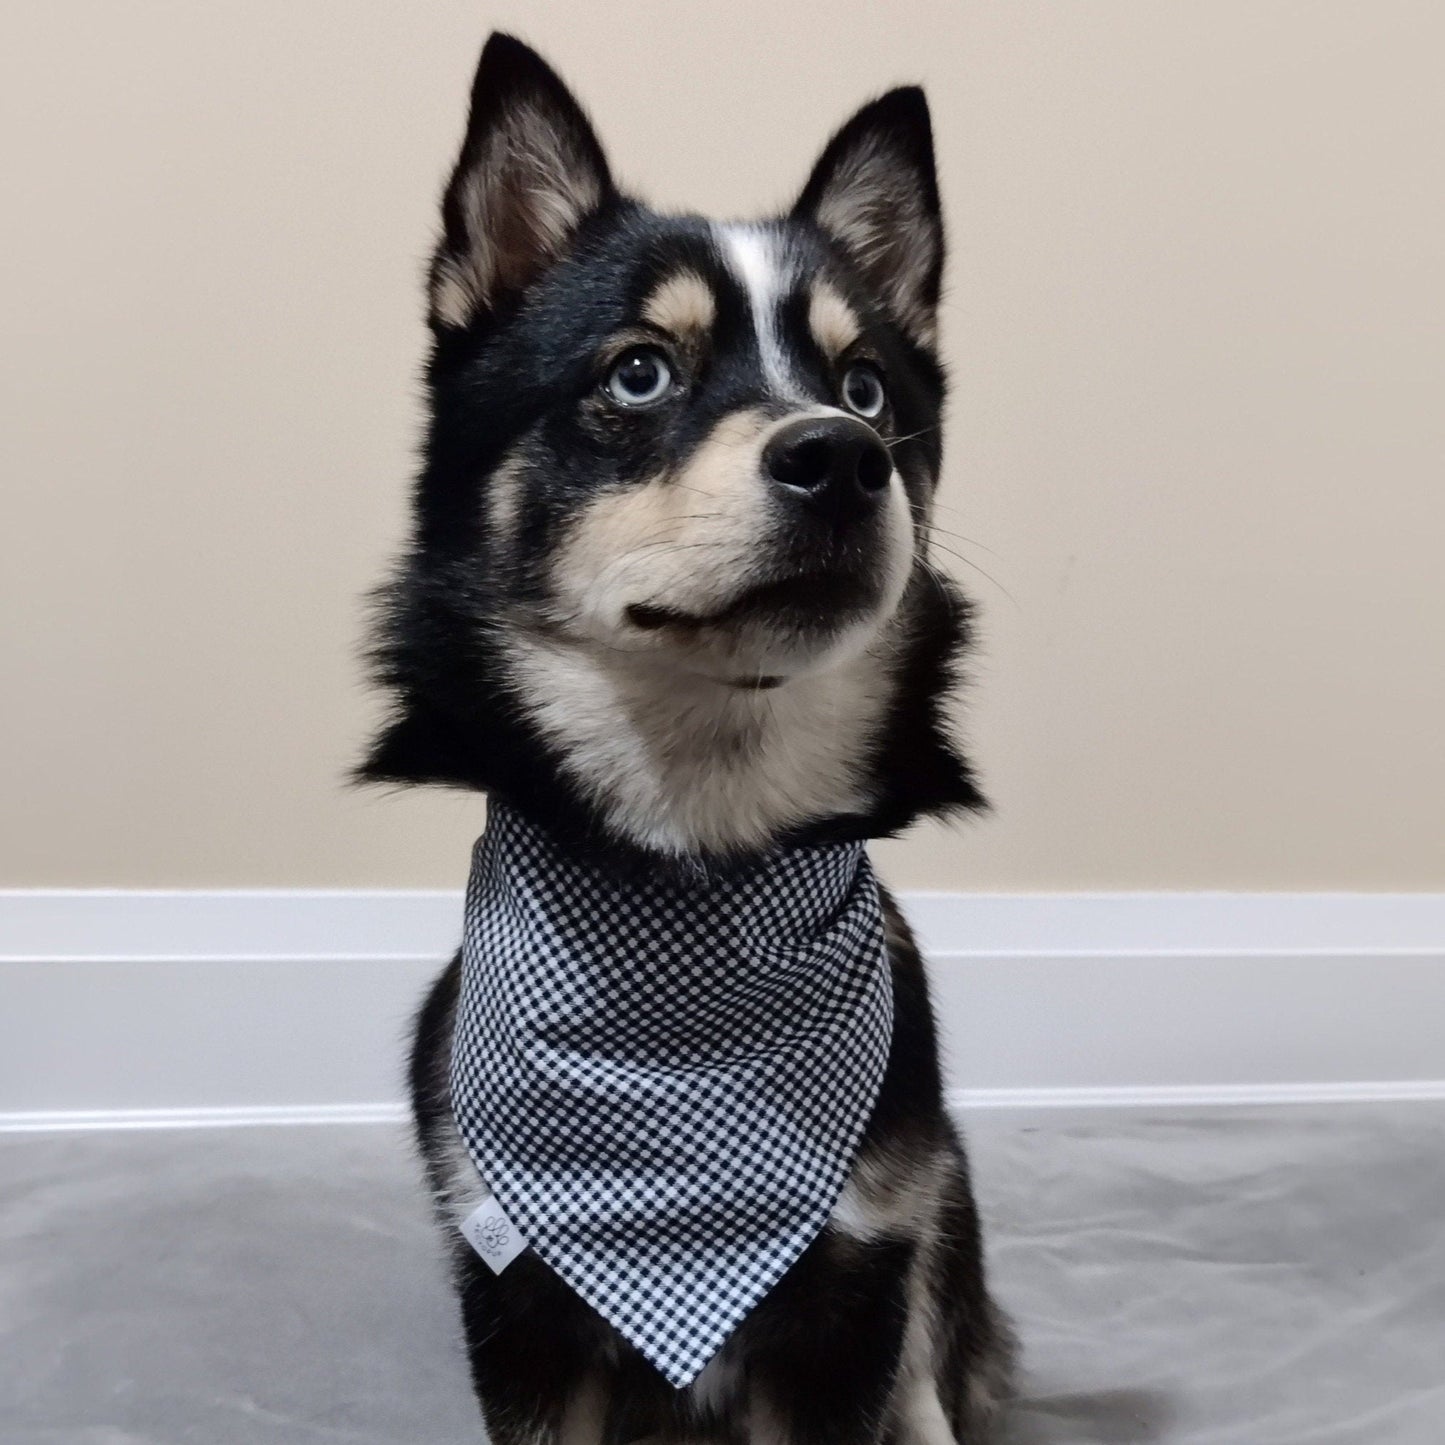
934, 528
973, 566
910, 436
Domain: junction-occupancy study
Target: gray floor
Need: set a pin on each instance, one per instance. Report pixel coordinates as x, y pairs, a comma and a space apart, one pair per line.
1257, 1278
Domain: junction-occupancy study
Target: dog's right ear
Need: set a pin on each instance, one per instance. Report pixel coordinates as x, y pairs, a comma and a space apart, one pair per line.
530, 172
875, 192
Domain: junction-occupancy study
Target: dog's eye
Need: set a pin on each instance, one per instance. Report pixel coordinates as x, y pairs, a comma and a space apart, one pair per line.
863, 390
640, 376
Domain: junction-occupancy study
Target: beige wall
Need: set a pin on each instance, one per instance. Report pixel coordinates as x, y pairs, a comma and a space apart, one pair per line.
1199, 361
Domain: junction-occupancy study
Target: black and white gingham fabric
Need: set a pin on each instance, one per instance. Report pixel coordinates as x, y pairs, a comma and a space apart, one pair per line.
664, 1084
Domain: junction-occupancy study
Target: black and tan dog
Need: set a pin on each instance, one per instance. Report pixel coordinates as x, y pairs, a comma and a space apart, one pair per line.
669, 595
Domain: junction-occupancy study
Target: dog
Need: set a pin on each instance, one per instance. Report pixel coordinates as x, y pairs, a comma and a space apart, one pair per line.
669, 596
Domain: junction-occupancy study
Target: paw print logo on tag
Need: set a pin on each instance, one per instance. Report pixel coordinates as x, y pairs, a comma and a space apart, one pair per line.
491, 1234
492, 1237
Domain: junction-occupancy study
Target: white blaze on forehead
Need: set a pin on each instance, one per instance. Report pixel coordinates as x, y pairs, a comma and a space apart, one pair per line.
757, 260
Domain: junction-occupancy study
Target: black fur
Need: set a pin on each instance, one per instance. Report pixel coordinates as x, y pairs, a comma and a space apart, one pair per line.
518, 375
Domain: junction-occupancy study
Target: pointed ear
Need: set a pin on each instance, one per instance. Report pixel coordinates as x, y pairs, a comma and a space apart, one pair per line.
875, 192
530, 172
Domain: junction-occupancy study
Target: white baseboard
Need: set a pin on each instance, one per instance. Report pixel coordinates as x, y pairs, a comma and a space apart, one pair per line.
52, 1121
190, 1009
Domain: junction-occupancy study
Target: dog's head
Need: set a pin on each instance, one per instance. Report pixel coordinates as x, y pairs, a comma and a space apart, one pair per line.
673, 519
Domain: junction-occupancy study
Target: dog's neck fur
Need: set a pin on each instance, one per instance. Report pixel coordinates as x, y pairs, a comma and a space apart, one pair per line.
616, 751
683, 765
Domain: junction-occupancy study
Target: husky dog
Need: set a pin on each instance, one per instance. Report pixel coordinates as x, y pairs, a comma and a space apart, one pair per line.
668, 595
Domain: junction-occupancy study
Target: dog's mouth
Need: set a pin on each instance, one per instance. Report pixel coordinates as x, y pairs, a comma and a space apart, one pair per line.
810, 601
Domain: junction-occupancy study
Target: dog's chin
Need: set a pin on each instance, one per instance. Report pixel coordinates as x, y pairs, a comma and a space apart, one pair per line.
767, 634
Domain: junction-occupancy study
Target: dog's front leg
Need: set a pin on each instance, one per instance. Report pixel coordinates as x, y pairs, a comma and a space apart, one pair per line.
534, 1362
584, 1417
828, 1358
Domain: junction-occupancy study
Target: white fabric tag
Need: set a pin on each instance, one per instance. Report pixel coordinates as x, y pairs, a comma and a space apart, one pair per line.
493, 1235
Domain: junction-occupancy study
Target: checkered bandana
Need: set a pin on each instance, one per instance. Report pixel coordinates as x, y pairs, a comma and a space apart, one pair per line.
664, 1083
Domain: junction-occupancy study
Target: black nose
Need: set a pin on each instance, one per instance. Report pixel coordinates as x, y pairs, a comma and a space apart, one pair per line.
838, 464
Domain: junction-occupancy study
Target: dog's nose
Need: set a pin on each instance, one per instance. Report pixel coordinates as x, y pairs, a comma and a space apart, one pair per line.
838, 465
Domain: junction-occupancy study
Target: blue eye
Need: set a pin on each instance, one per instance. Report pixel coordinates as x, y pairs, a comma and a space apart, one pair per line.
863, 390
641, 375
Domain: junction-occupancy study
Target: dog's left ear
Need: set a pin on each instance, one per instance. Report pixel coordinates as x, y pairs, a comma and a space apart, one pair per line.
875, 192
530, 172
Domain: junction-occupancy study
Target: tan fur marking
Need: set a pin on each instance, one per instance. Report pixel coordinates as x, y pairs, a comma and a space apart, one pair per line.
682, 305
831, 319
917, 1409
584, 1420
765, 1426
677, 541
504, 497
884, 1196
452, 300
